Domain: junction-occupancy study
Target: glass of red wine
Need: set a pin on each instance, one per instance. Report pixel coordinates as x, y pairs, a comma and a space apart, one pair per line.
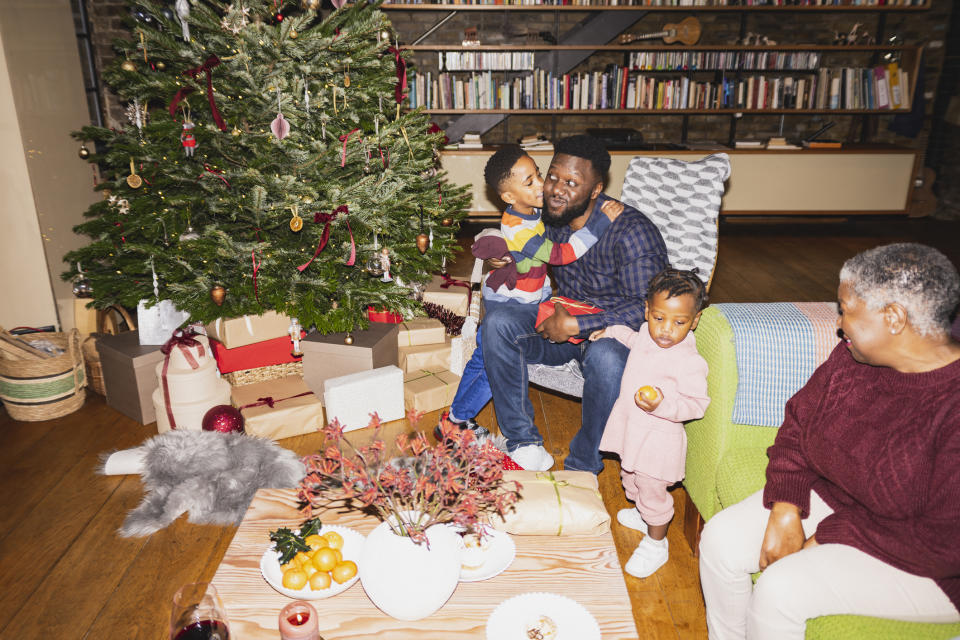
198, 614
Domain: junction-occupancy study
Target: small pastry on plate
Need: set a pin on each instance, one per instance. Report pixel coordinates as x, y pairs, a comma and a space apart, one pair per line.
474, 550
541, 628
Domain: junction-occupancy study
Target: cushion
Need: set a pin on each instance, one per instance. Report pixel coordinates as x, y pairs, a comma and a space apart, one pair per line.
683, 200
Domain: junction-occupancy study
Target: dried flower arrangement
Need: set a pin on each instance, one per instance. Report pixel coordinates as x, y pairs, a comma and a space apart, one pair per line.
458, 480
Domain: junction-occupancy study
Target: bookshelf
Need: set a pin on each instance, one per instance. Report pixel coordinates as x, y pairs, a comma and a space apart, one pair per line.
585, 71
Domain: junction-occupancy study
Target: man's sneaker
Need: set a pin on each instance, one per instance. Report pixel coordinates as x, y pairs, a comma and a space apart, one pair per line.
631, 519
649, 556
469, 423
532, 457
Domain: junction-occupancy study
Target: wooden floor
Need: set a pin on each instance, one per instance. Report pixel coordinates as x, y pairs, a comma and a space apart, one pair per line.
67, 575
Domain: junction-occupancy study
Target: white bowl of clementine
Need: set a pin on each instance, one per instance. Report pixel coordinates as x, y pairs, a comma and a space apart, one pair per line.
328, 568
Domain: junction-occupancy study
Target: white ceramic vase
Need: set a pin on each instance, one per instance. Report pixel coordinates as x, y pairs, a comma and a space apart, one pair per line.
410, 581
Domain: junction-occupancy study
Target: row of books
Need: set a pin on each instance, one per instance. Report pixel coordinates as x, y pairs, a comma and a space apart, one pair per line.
676, 3
881, 87
485, 60
723, 60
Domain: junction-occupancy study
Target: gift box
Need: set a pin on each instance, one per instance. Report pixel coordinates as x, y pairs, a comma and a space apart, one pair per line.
128, 372
463, 346
239, 332
425, 356
329, 356
253, 356
449, 293
279, 408
382, 315
429, 389
420, 331
573, 306
555, 503
352, 398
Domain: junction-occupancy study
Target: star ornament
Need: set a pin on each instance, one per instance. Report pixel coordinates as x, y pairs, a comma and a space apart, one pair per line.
235, 19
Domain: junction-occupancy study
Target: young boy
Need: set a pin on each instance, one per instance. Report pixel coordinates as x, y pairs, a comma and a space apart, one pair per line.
664, 384
518, 182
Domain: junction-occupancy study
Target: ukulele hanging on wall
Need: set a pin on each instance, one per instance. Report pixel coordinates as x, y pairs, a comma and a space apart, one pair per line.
687, 31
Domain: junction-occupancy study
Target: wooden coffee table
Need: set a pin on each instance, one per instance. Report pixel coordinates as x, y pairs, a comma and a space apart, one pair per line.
584, 568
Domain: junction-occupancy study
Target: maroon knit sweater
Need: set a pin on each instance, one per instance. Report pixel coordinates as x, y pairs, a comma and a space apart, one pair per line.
882, 448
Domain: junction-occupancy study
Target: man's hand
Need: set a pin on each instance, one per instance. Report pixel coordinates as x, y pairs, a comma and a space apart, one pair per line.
784, 534
559, 327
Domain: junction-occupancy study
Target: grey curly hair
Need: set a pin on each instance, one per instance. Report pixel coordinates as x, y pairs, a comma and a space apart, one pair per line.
918, 277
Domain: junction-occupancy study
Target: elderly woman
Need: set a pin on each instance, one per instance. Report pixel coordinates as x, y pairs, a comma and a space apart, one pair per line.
861, 509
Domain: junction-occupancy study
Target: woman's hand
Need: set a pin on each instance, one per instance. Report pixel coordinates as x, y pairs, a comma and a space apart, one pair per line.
784, 534
596, 335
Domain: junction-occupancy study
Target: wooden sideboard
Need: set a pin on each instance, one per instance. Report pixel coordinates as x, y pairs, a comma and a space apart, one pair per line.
861, 180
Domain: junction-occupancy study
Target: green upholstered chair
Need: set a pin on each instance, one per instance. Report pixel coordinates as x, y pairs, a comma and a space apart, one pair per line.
726, 462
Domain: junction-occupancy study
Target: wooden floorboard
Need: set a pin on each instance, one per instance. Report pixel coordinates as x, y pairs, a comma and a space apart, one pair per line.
66, 573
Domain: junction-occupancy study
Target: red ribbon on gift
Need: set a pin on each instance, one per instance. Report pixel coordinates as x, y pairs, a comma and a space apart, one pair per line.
343, 152
401, 89
207, 67
326, 219
214, 172
450, 282
184, 341
269, 401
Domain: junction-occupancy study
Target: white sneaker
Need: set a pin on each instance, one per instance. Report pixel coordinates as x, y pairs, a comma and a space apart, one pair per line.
631, 519
649, 556
532, 457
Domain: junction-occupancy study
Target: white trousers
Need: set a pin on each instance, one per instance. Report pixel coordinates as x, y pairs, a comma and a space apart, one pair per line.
823, 580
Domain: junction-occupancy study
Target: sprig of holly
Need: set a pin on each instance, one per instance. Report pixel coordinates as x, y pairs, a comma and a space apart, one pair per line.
290, 543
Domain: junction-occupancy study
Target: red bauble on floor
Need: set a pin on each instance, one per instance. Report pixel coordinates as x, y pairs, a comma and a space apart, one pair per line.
223, 418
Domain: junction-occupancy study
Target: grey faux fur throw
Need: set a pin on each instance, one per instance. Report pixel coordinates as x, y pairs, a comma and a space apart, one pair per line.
211, 475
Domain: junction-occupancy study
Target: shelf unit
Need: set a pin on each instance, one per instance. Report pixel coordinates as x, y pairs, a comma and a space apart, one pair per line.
605, 23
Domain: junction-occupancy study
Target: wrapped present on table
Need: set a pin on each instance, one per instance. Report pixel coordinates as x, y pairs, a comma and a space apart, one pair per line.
450, 293
429, 389
424, 356
382, 315
555, 503
573, 306
239, 332
128, 374
330, 355
279, 408
352, 398
420, 331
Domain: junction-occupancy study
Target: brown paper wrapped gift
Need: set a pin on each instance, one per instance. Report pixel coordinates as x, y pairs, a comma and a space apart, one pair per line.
239, 332
418, 331
128, 374
329, 356
452, 297
429, 389
279, 408
425, 356
555, 503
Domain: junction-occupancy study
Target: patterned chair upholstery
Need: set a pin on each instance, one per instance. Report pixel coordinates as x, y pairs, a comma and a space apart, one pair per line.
683, 200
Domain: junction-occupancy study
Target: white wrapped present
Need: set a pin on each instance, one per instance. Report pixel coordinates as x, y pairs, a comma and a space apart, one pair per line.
158, 323
352, 398
463, 346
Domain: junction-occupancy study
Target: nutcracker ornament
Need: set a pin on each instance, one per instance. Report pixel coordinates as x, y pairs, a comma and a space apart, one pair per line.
294, 330
385, 265
188, 139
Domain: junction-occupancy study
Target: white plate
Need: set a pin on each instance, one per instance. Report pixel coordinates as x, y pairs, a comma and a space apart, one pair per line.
498, 555
509, 620
352, 546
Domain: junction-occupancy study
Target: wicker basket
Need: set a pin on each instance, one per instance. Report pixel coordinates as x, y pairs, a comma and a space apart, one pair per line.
94, 368
262, 374
34, 390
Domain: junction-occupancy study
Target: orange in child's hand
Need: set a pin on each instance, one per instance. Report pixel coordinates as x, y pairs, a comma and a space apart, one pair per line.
334, 539
646, 393
344, 571
320, 580
325, 559
294, 579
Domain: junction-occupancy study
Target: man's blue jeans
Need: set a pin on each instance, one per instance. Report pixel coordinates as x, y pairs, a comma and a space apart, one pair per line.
509, 343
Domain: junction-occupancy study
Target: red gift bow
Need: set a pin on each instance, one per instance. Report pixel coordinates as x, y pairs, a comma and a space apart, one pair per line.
326, 219
207, 66
450, 282
401, 89
183, 341
269, 401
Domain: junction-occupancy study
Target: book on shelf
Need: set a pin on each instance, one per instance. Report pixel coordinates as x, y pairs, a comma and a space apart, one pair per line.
748, 144
821, 144
471, 141
777, 143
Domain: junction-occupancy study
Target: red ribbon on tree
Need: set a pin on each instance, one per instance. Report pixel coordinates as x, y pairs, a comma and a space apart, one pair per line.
450, 282
326, 219
183, 341
343, 152
207, 67
400, 90
215, 172
256, 268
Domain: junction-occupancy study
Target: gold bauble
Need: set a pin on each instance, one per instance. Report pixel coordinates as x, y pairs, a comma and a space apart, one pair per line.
348, 339
446, 222
218, 294
235, 132
310, 5
161, 66
84, 153
293, 34
128, 65
423, 242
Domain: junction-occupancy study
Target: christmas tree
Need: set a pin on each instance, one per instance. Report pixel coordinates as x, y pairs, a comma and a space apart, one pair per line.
268, 163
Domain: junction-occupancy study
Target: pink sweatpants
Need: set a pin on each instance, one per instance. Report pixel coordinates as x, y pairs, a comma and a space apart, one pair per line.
650, 494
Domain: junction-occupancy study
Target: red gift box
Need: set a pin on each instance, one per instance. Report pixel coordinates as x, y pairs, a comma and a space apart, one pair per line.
256, 355
383, 316
575, 308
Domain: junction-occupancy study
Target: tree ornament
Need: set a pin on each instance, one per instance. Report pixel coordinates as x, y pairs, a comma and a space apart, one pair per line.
446, 222
385, 265
189, 234
293, 34
137, 115
133, 180
280, 127
223, 418
295, 330
218, 294
82, 288
236, 132
423, 242
84, 153
296, 222
188, 139
348, 339
183, 12
310, 5
235, 19
161, 66
128, 65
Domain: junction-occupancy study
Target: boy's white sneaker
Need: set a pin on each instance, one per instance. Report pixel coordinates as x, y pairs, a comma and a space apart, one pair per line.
632, 519
532, 457
649, 556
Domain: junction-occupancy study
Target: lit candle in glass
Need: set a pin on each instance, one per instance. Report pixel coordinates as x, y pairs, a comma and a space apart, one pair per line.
298, 621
